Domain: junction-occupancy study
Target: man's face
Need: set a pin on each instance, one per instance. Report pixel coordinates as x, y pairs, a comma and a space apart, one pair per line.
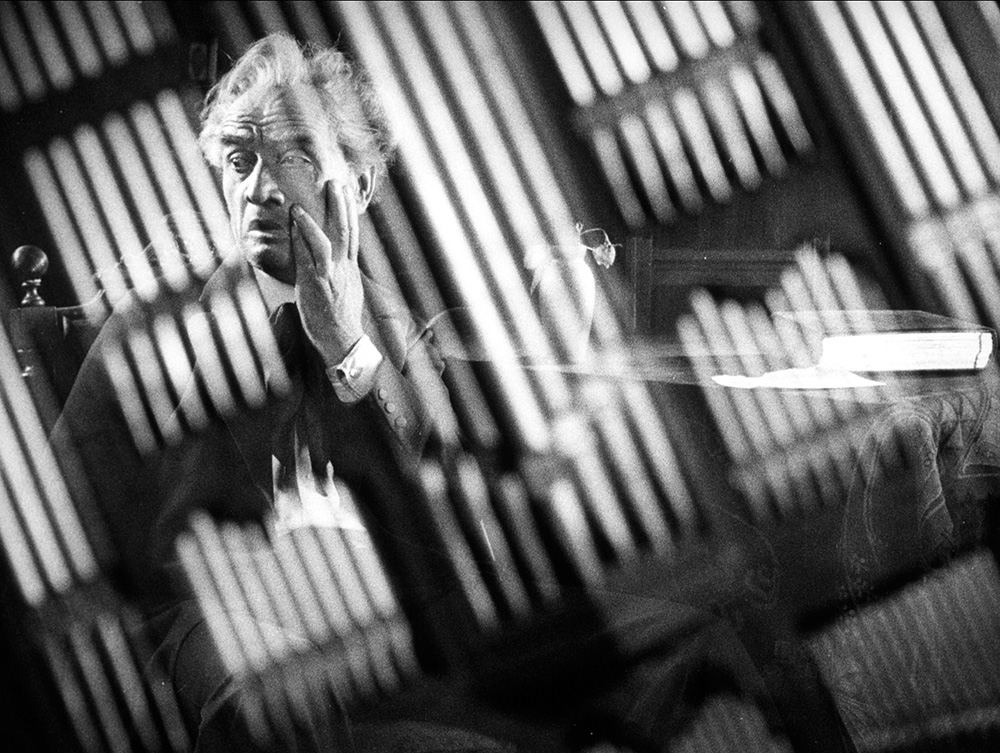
277, 150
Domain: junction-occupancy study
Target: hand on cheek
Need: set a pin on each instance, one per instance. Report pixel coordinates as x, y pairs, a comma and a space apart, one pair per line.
328, 286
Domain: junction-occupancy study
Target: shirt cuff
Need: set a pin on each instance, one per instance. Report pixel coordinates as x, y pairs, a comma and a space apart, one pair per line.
354, 377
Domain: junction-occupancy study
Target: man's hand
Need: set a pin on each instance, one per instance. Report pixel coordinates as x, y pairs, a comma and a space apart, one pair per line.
328, 287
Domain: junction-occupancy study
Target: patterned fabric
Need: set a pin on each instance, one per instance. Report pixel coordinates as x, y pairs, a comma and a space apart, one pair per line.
921, 668
925, 477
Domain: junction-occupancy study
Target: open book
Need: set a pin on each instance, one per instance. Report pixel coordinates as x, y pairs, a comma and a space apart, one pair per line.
886, 341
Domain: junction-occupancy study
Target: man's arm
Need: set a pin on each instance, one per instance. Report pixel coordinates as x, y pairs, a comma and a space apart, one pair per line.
364, 350
101, 455
396, 387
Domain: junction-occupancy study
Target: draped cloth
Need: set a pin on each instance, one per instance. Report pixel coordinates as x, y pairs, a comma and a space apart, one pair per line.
927, 476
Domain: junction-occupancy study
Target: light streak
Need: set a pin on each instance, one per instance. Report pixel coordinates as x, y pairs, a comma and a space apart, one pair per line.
57, 217
568, 59
80, 40
623, 41
109, 33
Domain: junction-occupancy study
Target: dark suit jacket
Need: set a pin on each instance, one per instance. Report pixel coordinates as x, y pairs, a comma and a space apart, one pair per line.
146, 499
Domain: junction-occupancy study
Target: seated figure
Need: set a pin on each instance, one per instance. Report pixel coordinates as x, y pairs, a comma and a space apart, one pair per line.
299, 143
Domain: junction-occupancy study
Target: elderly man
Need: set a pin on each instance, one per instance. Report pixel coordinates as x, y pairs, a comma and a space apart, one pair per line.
299, 163
300, 143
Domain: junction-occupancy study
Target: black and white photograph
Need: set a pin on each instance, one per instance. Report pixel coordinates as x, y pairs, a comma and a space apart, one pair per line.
500, 376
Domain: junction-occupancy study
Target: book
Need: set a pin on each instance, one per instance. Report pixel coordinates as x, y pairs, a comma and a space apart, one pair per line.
890, 341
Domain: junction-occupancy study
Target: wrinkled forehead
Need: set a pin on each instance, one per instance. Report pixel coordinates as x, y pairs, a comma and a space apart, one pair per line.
286, 115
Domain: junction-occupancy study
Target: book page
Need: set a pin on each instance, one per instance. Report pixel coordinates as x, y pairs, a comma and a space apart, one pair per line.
811, 378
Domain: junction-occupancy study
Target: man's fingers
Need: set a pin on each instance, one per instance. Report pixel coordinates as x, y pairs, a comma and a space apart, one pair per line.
296, 243
353, 225
338, 212
340, 242
314, 243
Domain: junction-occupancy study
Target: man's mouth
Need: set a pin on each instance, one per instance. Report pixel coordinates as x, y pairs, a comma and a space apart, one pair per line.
266, 229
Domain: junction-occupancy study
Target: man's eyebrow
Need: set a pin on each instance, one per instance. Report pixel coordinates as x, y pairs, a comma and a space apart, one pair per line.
242, 135
238, 135
293, 136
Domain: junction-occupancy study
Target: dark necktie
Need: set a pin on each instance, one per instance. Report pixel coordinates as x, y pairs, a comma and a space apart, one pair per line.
297, 430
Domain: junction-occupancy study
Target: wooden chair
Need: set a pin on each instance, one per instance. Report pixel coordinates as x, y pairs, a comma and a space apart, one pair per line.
661, 278
50, 341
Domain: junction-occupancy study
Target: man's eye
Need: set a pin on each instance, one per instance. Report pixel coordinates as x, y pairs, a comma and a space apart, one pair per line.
296, 159
242, 162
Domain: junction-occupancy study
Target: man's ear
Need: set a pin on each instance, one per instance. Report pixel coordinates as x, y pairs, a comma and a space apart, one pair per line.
366, 188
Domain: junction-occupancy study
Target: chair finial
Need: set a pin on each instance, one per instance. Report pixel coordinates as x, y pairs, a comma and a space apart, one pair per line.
30, 265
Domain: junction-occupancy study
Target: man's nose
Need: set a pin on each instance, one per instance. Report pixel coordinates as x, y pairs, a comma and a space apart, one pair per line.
261, 187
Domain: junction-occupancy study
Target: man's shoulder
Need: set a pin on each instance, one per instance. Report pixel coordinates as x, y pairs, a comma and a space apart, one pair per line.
139, 309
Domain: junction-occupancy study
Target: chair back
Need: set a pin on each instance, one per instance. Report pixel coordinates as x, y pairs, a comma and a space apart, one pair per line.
51, 342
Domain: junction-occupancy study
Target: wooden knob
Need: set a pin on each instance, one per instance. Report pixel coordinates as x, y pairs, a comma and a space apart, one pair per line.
30, 265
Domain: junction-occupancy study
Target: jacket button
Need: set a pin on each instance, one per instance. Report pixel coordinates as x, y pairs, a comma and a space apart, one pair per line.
390, 407
381, 392
401, 422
